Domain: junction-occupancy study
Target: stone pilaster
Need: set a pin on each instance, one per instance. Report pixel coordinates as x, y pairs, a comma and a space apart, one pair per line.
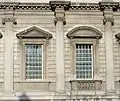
108, 8
59, 8
8, 22
108, 22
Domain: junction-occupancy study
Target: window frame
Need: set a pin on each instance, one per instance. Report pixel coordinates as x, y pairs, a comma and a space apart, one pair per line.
41, 61
94, 44
23, 42
92, 54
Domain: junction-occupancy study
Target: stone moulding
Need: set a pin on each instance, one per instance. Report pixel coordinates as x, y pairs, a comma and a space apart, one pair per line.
109, 5
60, 4
66, 4
34, 32
84, 32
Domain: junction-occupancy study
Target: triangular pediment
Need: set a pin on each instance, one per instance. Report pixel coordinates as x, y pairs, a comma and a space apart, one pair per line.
33, 32
84, 32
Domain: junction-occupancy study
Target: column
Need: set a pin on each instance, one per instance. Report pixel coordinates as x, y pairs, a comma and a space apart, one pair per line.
108, 7
108, 22
8, 62
59, 8
59, 20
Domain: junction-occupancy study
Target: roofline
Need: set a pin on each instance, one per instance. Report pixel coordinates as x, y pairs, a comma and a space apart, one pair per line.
72, 5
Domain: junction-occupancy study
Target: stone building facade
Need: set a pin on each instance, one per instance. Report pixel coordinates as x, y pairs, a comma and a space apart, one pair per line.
61, 50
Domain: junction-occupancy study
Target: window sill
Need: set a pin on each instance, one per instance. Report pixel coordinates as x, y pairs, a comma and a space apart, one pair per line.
37, 81
77, 80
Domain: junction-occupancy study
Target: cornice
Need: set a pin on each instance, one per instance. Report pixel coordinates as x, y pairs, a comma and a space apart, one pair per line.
72, 6
84, 6
109, 6
60, 4
25, 6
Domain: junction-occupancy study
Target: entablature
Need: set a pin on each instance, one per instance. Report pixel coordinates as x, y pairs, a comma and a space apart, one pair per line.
109, 5
66, 4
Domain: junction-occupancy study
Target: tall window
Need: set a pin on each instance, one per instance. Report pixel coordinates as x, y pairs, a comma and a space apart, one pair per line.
33, 49
84, 61
34, 61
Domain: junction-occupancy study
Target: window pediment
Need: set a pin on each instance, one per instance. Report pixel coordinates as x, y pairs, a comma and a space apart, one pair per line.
34, 32
84, 32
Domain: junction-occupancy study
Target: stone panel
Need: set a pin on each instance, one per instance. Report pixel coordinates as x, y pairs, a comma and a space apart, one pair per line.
34, 86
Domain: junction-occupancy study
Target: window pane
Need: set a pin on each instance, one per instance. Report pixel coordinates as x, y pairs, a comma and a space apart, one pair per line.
33, 61
84, 61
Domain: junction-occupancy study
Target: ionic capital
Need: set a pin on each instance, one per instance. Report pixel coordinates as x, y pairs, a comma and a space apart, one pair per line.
108, 19
9, 19
60, 19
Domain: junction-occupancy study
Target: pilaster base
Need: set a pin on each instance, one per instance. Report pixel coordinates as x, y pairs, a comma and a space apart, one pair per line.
60, 92
111, 92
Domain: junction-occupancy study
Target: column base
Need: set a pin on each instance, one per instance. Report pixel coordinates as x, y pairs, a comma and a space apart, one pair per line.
110, 93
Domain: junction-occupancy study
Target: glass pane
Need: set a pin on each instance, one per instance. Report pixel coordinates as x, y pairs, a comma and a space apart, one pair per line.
33, 61
84, 61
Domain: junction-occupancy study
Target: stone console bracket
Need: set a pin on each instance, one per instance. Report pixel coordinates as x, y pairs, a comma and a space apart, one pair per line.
60, 4
9, 19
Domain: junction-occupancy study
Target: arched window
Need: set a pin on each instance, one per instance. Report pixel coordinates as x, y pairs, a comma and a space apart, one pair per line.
84, 40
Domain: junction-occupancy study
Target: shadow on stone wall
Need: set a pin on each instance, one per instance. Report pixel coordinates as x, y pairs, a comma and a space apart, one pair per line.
24, 97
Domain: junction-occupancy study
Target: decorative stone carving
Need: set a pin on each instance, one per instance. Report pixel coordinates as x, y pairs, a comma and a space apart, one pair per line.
60, 19
108, 5
9, 19
34, 32
59, 7
108, 19
60, 4
65, 4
